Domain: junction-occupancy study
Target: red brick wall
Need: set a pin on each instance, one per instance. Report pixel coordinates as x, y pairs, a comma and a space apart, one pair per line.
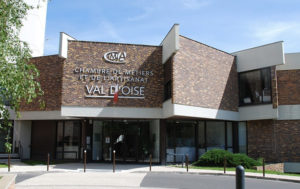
288, 140
90, 55
50, 68
274, 140
288, 87
204, 76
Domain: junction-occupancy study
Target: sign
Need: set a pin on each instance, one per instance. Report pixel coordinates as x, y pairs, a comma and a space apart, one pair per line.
115, 57
107, 140
130, 83
88, 140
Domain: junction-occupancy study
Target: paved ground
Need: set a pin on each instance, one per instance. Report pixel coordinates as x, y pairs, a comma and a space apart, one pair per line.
100, 175
140, 180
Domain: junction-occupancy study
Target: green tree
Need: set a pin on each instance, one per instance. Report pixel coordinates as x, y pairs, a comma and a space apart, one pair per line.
17, 76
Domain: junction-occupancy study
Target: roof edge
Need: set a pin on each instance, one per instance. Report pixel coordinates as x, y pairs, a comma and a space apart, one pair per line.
257, 47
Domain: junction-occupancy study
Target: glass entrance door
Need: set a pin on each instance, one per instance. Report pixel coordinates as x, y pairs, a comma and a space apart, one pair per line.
124, 136
68, 140
131, 139
117, 140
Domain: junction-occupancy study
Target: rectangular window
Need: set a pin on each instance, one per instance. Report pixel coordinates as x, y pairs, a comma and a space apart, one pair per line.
255, 87
167, 90
97, 140
201, 138
180, 140
242, 137
229, 136
168, 79
68, 139
215, 133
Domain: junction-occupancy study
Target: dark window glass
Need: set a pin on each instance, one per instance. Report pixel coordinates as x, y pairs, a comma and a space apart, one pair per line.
215, 133
255, 87
180, 140
229, 137
68, 139
168, 91
168, 79
242, 128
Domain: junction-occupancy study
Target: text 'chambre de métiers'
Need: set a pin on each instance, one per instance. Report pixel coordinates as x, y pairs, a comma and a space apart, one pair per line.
117, 78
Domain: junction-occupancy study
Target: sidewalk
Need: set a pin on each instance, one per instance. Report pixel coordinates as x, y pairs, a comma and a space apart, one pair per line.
19, 167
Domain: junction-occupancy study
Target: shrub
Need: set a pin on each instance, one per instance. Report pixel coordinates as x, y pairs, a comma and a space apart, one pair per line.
215, 157
242, 159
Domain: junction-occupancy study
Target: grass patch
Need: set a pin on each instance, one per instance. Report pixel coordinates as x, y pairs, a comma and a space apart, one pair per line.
2, 165
38, 162
246, 170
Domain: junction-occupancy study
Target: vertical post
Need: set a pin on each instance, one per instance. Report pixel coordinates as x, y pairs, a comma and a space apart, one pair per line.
48, 161
187, 162
263, 167
84, 166
8, 163
114, 160
150, 162
225, 164
239, 177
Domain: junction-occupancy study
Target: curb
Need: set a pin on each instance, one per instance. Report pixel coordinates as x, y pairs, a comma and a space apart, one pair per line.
7, 181
222, 174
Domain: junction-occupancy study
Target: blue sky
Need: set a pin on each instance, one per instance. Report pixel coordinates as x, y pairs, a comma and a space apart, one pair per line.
229, 25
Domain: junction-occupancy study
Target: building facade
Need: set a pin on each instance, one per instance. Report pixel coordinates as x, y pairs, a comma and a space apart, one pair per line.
179, 97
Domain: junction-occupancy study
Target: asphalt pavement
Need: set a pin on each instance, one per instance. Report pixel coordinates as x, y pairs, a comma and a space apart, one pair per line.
44, 180
100, 175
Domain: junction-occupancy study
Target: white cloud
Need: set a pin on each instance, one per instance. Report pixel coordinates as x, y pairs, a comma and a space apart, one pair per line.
147, 12
195, 4
274, 30
269, 32
110, 30
105, 31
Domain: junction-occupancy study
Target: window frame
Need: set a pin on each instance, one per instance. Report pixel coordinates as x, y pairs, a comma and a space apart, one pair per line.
261, 82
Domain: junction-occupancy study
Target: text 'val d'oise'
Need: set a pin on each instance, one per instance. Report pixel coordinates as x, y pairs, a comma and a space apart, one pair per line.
116, 77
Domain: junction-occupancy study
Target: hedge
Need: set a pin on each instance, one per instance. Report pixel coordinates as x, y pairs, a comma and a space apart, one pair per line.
215, 158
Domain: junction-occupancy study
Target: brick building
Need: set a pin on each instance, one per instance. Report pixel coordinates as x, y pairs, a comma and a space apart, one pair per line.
180, 97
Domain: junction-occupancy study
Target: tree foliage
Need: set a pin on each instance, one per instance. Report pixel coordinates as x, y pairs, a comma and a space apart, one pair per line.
17, 76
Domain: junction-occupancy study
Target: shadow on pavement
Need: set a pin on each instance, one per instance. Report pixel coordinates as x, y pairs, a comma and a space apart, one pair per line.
97, 166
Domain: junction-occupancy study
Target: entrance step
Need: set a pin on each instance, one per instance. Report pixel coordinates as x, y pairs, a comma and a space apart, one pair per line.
12, 156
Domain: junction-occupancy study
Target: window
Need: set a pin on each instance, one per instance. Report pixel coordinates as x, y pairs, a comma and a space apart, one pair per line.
242, 137
255, 87
180, 140
168, 79
215, 133
68, 140
167, 91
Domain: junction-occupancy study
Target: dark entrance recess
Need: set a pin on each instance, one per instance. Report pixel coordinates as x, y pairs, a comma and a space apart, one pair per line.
131, 139
43, 139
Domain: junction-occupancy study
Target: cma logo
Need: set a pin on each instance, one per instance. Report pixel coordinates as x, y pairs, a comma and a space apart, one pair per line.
115, 57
